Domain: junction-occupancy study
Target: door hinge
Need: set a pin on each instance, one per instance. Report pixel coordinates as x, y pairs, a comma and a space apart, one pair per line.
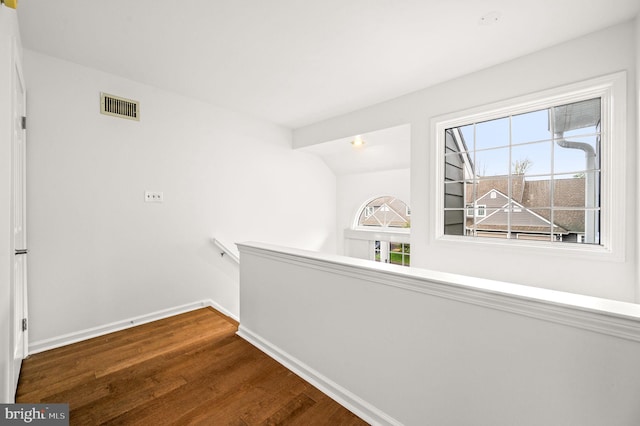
24, 123
24, 324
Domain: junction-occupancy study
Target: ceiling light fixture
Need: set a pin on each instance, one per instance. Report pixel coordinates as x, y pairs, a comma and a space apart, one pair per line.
357, 141
13, 4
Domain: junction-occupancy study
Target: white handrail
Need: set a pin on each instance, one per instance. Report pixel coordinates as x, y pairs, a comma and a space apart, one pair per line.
226, 250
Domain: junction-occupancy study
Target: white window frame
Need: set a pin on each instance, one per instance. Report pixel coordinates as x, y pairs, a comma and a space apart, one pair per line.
613, 92
376, 233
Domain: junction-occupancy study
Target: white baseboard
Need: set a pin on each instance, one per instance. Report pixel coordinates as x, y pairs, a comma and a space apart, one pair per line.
89, 333
222, 310
355, 404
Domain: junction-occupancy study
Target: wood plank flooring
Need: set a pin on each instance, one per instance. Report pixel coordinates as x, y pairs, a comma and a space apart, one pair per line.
187, 369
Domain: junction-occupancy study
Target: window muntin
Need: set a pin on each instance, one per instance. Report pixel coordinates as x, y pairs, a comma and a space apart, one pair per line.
368, 211
400, 254
536, 172
394, 253
385, 212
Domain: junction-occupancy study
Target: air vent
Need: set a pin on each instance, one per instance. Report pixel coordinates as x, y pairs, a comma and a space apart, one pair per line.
119, 107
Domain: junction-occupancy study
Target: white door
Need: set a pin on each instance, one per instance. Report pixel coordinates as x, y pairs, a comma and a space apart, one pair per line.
19, 273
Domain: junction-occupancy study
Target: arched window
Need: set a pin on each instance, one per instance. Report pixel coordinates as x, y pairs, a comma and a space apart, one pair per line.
391, 219
385, 212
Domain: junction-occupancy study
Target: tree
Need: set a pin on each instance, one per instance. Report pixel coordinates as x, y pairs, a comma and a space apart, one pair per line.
520, 167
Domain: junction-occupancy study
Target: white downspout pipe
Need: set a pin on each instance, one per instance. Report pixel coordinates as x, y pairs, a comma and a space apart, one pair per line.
590, 222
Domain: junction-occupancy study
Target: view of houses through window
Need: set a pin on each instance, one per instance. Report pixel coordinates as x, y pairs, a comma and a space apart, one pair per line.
387, 213
533, 175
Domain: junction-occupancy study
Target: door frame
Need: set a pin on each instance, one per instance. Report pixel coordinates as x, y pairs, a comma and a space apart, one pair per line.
19, 337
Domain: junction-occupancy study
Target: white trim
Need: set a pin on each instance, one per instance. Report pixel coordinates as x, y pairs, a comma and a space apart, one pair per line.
394, 235
609, 317
492, 195
520, 208
89, 333
352, 402
613, 91
457, 138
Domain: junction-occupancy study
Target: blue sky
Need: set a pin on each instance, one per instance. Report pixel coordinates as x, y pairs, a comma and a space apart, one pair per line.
531, 139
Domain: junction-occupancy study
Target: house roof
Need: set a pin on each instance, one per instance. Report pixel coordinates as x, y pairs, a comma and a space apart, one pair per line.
387, 211
534, 199
566, 193
499, 208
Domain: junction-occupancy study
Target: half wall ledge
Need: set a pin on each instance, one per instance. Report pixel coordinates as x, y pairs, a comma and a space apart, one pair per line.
406, 346
610, 317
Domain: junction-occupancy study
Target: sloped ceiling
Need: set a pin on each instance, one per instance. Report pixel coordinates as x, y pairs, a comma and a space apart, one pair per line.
385, 149
295, 62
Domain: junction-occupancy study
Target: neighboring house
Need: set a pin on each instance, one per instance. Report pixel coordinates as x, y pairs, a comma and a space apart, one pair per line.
386, 212
530, 208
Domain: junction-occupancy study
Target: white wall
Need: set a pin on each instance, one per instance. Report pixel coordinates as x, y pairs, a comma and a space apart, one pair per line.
406, 346
98, 253
355, 189
8, 32
600, 53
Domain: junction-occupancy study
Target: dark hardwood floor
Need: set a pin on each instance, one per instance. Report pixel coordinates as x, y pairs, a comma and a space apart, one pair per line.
187, 369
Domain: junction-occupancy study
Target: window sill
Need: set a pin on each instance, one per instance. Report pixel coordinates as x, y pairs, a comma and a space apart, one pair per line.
400, 235
538, 248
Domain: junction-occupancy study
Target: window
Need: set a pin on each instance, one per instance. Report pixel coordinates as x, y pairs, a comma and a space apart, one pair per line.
395, 253
478, 211
400, 254
539, 168
386, 212
384, 222
538, 172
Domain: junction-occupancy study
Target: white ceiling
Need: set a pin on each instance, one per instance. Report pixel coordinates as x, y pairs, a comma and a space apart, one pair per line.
386, 149
295, 62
